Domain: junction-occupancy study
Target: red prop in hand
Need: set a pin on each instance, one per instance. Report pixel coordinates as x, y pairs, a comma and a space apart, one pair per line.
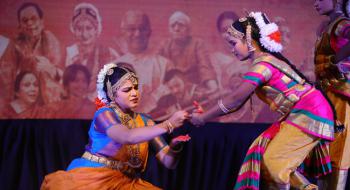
179, 139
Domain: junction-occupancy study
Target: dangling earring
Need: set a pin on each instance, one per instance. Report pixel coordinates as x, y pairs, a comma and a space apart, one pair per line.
251, 48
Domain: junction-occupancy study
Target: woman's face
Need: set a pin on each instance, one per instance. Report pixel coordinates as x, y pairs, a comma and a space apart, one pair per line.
28, 89
85, 32
324, 7
79, 86
238, 47
127, 96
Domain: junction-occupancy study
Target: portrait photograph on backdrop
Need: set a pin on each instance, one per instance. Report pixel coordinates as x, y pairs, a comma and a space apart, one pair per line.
51, 52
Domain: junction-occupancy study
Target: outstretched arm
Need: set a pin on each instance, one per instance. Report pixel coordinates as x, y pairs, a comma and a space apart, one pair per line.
123, 135
225, 106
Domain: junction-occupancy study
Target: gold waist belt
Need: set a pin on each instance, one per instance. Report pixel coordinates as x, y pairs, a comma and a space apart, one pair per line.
114, 164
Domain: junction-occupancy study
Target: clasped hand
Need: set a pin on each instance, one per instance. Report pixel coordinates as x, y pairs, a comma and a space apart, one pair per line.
178, 118
196, 116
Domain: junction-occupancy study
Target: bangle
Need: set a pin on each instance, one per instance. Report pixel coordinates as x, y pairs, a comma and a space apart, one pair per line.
168, 126
177, 150
222, 107
164, 126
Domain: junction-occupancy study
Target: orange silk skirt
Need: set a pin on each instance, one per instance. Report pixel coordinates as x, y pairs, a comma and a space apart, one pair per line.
93, 179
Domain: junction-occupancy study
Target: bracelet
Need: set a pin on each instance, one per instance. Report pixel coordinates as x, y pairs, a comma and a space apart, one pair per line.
168, 126
177, 150
164, 126
222, 107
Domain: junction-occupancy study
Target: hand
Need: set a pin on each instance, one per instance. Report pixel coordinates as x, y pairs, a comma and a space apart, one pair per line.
177, 119
44, 65
178, 140
197, 120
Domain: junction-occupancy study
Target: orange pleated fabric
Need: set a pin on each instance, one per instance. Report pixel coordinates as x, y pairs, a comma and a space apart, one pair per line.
93, 179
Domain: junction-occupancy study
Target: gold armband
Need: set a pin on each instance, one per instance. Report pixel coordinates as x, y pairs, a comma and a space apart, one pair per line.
162, 148
158, 144
167, 151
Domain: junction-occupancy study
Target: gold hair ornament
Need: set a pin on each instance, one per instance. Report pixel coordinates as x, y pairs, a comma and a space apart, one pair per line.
235, 33
128, 76
251, 48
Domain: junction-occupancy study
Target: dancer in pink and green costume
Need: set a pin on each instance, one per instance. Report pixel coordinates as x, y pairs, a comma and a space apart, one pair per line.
306, 124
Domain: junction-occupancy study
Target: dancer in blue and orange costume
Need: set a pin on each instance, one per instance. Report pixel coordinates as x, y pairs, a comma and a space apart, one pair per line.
306, 124
119, 139
332, 69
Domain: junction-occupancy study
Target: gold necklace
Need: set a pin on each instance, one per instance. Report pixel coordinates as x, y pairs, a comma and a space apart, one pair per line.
133, 150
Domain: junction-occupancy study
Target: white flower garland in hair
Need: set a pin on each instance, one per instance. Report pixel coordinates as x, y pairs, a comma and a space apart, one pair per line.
101, 94
270, 35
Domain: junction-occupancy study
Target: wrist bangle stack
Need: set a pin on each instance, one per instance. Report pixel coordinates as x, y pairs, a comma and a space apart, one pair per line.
222, 107
168, 126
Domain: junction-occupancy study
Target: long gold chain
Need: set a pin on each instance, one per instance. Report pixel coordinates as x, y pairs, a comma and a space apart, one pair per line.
133, 150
